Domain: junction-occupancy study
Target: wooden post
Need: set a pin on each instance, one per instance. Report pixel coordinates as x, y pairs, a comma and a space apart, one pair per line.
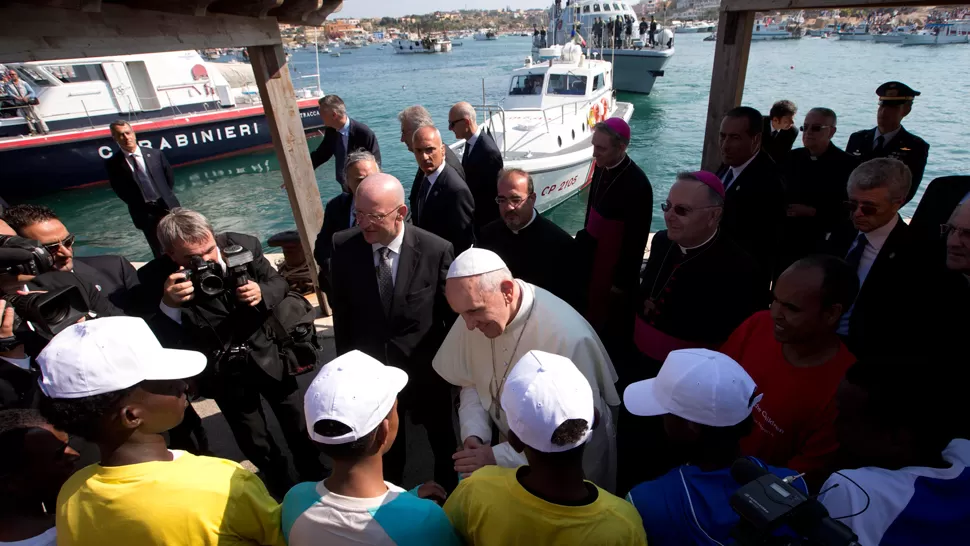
727, 82
286, 127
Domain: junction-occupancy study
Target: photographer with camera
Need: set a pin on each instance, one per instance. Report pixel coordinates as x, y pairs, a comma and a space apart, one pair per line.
216, 293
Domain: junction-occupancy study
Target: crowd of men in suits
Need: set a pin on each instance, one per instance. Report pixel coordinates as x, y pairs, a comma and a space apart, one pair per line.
786, 313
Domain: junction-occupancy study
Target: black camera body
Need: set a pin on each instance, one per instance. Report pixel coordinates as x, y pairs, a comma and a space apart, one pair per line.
767, 503
237, 264
207, 277
20, 256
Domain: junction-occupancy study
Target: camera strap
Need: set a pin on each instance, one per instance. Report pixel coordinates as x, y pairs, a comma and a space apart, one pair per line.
691, 504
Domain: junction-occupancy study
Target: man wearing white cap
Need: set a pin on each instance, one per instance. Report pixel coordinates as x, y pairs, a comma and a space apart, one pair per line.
552, 416
111, 382
706, 399
352, 415
502, 318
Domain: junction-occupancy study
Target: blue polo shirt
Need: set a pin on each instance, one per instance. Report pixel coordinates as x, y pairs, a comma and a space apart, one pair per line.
688, 506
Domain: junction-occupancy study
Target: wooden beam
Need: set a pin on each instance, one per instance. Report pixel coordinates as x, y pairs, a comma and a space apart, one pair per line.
296, 11
727, 82
91, 6
795, 5
249, 8
190, 7
289, 140
318, 17
39, 33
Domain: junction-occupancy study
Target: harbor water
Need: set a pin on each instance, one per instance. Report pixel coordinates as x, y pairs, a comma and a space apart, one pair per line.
243, 193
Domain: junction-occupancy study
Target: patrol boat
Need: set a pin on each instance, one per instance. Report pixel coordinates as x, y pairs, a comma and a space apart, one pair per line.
544, 125
175, 101
636, 68
955, 32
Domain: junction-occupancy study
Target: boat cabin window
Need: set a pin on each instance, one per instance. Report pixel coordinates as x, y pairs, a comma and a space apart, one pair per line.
526, 84
596, 8
616, 7
566, 84
598, 82
606, 7
626, 7
33, 76
585, 9
73, 73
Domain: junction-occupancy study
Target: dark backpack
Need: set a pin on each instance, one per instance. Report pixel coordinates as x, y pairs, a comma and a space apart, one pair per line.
290, 327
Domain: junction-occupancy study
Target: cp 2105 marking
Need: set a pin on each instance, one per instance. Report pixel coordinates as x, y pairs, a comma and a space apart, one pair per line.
562, 186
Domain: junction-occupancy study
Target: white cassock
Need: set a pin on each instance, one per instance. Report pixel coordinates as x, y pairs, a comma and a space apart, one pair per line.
480, 365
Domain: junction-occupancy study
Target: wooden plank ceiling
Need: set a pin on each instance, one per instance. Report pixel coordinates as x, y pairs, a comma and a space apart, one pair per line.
296, 12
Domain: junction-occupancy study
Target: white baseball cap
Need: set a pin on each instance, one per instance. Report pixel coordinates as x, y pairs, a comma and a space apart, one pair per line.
698, 385
108, 355
354, 389
543, 391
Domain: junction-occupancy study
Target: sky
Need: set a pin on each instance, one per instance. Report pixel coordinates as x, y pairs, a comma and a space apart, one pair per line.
398, 8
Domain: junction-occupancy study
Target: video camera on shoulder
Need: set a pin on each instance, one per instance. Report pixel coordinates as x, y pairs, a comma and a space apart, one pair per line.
767, 503
20, 256
207, 278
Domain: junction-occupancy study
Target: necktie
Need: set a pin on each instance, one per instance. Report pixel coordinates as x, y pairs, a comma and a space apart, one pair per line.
340, 156
422, 197
466, 153
728, 178
385, 281
774, 133
880, 140
144, 180
855, 255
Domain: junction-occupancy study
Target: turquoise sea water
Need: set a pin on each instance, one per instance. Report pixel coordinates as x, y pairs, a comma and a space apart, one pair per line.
243, 193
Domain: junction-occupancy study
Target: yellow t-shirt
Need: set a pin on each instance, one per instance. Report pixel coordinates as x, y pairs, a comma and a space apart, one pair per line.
186, 502
492, 508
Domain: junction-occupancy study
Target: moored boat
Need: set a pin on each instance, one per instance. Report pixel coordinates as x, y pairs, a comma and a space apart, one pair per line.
955, 32
766, 29
484, 34
856, 33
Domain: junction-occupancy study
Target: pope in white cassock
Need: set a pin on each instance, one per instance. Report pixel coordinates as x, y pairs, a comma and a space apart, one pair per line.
503, 318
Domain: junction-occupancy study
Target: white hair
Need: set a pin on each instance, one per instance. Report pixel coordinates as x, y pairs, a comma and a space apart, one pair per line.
182, 225
492, 281
883, 172
415, 117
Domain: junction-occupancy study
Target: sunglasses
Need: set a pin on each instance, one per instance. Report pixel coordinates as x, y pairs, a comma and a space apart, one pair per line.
867, 210
682, 210
451, 124
68, 242
814, 128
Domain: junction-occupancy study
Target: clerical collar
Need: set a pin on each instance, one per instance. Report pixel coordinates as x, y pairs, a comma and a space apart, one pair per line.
529, 223
685, 250
528, 299
625, 157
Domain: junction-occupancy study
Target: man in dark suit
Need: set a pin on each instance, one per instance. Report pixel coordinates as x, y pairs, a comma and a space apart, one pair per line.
754, 202
339, 213
389, 302
244, 364
143, 179
889, 138
113, 276
935, 207
341, 137
779, 131
878, 247
481, 160
413, 118
443, 205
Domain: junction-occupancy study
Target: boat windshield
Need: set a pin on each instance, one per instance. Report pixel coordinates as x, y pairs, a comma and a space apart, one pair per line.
566, 84
34, 75
526, 84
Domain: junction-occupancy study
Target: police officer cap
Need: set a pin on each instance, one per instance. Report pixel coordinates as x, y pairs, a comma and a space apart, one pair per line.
895, 93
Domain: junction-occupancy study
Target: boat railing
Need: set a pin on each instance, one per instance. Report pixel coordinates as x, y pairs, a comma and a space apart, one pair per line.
489, 111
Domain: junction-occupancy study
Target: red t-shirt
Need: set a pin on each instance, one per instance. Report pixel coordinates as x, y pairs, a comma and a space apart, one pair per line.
795, 420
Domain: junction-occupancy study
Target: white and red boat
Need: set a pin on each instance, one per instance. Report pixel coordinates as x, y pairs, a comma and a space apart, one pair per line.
176, 102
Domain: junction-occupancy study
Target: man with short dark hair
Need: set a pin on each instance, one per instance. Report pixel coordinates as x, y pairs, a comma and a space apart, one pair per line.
903, 437
342, 136
352, 416
551, 415
706, 402
889, 138
619, 195
535, 249
443, 203
113, 276
481, 160
779, 131
754, 202
815, 178
797, 360
143, 179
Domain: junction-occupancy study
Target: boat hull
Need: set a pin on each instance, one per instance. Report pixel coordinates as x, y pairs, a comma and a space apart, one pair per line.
888, 38
774, 36
40, 165
856, 37
913, 40
636, 71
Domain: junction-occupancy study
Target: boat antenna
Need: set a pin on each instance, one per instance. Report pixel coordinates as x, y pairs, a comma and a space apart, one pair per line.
316, 48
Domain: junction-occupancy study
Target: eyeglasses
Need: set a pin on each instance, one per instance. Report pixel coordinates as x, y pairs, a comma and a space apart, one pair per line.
867, 210
682, 210
516, 202
451, 124
962, 233
373, 218
814, 128
67, 242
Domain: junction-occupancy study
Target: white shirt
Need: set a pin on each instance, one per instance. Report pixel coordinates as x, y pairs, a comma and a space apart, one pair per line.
470, 141
737, 171
875, 239
138, 157
885, 137
394, 256
434, 176
529, 223
22, 363
345, 135
175, 313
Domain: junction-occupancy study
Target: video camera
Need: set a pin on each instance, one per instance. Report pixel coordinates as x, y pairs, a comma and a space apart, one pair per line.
45, 314
206, 276
767, 503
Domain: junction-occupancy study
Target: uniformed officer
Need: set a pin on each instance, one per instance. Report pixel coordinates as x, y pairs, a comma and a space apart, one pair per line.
889, 138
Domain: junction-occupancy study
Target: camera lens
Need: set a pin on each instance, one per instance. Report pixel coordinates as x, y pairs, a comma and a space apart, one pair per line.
211, 284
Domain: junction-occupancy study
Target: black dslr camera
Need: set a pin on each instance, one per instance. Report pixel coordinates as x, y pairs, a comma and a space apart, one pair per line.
207, 277
766, 503
20, 256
